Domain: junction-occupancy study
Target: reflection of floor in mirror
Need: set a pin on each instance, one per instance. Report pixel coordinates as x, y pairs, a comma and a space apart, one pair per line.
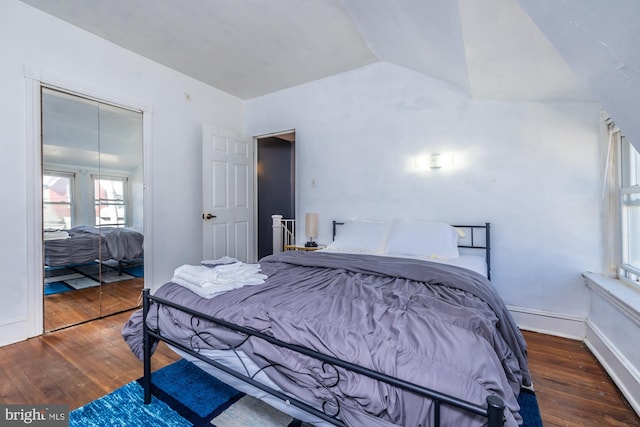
70, 308
68, 278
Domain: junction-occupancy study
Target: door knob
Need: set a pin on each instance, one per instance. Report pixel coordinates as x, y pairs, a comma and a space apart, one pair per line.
208, 216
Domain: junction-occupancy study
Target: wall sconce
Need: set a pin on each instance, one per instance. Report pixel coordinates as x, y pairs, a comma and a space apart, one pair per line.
441, 161
435, 161
311, 229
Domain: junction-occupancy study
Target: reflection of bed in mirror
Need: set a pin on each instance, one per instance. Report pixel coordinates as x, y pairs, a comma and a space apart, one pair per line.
84, 244
90, 273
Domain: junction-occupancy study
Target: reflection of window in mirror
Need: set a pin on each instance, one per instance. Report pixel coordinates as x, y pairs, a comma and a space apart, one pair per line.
57, 200
110, 196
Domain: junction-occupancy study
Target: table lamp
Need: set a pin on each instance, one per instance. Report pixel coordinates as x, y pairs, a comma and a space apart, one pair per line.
311, 229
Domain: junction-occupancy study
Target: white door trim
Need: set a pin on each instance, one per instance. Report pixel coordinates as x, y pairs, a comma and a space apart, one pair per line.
296, 190
34, 79
35, 279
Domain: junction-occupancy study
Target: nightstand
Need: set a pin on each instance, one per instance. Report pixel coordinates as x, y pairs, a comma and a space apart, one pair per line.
303, 247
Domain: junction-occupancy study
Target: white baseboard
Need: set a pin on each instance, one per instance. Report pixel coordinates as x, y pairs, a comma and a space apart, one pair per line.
545, 322
13, 330
622, 372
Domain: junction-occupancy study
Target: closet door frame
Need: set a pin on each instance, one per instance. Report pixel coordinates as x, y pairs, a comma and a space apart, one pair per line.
34, 80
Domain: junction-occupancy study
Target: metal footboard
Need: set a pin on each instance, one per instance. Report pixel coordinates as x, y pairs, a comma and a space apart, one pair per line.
494, 412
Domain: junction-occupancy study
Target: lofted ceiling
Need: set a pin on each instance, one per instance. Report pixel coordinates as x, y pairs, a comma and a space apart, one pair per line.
513, 50
248, 48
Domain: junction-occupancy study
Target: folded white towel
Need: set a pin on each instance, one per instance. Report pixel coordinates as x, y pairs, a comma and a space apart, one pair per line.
220, 261
205, 290
222, 277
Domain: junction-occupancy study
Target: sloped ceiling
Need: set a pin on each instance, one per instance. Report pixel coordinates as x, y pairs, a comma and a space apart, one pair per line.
600, 40
248, 48
244, 47
491, 49
517, 50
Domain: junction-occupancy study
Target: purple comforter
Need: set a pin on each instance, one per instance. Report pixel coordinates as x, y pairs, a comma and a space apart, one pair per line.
435, 325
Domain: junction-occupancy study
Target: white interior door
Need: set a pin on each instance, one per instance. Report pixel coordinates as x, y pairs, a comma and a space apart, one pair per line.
227, 186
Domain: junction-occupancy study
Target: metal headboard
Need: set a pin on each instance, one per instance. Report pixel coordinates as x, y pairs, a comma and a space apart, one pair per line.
470, 241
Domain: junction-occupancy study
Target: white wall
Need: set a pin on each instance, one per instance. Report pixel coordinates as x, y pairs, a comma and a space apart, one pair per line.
531, 169
51, 47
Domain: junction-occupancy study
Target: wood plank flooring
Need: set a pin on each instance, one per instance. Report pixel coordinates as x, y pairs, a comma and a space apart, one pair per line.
79, 364
572, 387
72, 366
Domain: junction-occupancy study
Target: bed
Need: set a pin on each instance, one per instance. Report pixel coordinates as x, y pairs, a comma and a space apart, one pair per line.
85, 244
383, 328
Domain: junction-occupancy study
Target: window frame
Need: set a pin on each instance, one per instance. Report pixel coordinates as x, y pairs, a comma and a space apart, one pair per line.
620, 155
628, 187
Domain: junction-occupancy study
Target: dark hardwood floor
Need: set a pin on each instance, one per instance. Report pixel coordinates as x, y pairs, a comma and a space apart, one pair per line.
72, 366
79, 364
572, 387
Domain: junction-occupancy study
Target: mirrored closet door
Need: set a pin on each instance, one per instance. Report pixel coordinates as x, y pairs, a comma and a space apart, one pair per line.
92, 193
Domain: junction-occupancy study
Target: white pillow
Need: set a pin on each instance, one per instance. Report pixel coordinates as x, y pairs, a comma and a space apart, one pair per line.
360, 235
423, 239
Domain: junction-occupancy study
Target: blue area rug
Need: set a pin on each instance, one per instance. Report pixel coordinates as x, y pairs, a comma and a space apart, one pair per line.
184, 395
125, 407
529, 409
82, 276
56, 288
137, 271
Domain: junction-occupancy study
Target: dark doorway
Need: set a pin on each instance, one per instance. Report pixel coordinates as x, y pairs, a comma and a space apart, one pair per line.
276, 185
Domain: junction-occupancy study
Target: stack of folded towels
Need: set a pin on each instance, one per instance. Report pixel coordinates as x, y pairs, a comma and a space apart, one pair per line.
213, 277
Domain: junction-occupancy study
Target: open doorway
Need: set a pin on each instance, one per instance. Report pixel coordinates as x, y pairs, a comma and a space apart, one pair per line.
276, 184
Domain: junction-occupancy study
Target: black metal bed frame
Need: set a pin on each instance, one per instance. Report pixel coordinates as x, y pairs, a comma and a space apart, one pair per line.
486, 247
494, 412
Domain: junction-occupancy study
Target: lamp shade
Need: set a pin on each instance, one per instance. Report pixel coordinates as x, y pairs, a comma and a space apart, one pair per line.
311, 225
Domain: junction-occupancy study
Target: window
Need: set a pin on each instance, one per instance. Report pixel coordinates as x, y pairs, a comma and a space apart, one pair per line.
629, 209
110, 201
623, 228
57, 190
